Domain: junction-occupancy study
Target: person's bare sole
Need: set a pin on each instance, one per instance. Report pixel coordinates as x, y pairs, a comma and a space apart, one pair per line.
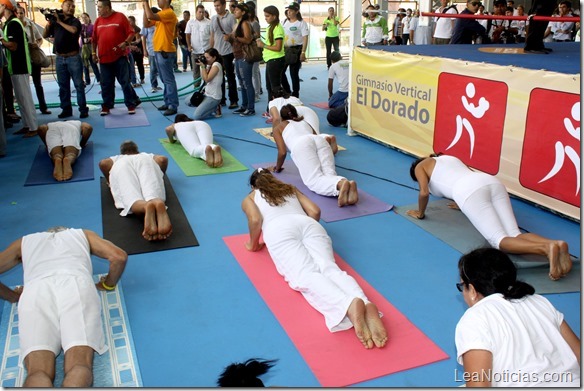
353, 193
218, 160
565, 260
209, 156
553, 256
67, 169
150, 227
356, 314
344, 193
375, 324
58, 169
333, 142
163, 220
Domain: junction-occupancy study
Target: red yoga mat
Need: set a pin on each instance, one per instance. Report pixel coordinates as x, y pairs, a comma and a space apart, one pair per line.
321, 105
336, 359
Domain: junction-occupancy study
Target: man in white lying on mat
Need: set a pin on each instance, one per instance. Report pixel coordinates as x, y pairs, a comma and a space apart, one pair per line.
136, 182
196, 137
64, 140
60, 307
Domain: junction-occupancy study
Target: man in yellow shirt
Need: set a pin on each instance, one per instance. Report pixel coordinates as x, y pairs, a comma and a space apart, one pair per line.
165, 50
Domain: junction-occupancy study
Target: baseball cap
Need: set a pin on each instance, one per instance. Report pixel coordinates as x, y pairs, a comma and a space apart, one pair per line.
294, 6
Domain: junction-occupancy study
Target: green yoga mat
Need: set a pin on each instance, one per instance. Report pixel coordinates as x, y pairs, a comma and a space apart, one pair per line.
453, 228
192, 166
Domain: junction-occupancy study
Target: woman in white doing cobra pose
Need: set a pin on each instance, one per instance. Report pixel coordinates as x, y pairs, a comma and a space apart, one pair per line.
196, 137
302, 253
312, 155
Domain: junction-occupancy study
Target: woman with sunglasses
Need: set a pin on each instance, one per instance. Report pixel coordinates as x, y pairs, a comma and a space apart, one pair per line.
303, 254
509, 336
467, 30
485, 201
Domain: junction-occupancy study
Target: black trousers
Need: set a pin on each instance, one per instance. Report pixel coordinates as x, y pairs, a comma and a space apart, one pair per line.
536, 30
229, 70
330, 42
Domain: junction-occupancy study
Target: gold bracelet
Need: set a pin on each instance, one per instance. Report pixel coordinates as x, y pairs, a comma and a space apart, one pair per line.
107, 287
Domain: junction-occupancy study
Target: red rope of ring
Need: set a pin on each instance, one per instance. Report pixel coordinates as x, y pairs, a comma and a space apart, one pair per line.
503, 17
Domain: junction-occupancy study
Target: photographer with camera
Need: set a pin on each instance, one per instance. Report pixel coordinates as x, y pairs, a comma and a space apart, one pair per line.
65, 29
111, 39
211, 64
19, 67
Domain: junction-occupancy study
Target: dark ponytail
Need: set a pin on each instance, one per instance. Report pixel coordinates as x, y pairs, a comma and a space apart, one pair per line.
245, 374
491, 271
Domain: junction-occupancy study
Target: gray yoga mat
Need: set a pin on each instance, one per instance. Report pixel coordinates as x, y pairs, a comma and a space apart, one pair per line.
453, 228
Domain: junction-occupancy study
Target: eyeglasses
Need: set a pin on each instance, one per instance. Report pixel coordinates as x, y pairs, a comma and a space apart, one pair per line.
460, 286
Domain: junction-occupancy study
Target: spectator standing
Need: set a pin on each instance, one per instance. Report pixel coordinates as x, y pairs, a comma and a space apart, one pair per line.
295, 45
86, 33
165, 50
182, 40
465, 30
273, 53
34, 39
374, 30
147, 34
406, 27
65, 30
398, 27
443, 26
241, 36
18, 58
331, 27
222, 24
111, 39
256, 75
198, 35
136, 56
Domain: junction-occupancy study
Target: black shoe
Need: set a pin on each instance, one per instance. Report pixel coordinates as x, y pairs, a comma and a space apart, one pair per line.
45, 111
223, 104
138, 103
238, 111
247, 113
233, 106
22, 131
535, 51
65, 114
163, 107
85, 114
169, 112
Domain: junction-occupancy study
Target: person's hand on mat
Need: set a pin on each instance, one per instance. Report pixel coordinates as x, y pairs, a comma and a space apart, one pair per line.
273, 169
252, 247
12, 296
99, 285
416, 214
453, 205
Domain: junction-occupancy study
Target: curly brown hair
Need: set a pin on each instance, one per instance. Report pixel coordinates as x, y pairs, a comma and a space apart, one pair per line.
272, 189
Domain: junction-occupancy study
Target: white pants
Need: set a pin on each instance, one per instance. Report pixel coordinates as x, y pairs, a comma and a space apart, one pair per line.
316, 163
136, 179
21, 85
194, 136
60, 311
490, 212
63, 134
302, 253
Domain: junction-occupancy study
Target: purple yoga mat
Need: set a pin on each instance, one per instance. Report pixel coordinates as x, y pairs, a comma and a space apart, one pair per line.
119, 118
329, 209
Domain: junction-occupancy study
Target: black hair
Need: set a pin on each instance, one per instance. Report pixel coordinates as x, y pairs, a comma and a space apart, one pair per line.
245, 17
214, 53
106, 3
288, 112
182, 118
128, 147
491, 271
566, 3
280, 92
245, 374
418, 161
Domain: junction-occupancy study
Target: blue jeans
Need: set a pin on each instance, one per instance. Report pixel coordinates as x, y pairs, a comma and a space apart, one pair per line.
71, 68
337, 99
165, 62
244, 72
153, 71
186, 57
119, 70
207, 107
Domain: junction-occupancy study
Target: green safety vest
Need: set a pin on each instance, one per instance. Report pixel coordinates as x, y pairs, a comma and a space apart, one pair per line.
9, 53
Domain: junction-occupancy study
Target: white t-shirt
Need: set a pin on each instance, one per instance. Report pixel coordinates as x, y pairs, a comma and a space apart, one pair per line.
200, 31
340, 69
294, 31
525, 341
444, 25
213, 88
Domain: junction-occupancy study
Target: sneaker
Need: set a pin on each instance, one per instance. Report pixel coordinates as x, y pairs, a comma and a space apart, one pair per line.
45, 111
218, 115
266, 115
238, 111
158, 88
65, 114
85, 114
142, 81
233, 106
163, 107
169, 112
247, 113
153, 90
131, 110
104, 111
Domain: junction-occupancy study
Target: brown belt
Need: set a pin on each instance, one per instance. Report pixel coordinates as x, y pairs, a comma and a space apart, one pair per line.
70, 54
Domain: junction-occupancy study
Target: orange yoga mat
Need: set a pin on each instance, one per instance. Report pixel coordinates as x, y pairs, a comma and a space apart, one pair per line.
336, 359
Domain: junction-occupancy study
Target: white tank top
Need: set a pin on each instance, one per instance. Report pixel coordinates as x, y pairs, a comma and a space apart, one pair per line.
47, 254
291, 207
294, 131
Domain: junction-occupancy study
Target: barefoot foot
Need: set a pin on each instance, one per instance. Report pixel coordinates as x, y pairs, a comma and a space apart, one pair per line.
565, 260
356, 314
163, 221
209, 155
150, 228
218, 160
58, 170
67, 169
353, 193
378, 332
344, 192
553, 255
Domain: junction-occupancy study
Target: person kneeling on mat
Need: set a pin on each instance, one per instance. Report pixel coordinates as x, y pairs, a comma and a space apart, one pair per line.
137, 186
303, 254
64, 141
60, 307
196, 137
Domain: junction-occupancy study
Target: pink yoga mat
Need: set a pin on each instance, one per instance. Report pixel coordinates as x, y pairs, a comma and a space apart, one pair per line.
336, 359
321, 105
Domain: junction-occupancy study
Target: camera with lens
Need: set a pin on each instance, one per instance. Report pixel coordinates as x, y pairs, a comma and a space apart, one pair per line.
201, 59
49, 14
